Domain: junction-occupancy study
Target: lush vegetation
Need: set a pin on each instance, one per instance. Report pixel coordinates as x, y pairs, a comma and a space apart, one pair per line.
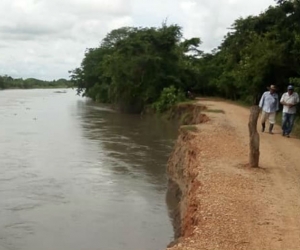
132, 66
7, 82
136, 67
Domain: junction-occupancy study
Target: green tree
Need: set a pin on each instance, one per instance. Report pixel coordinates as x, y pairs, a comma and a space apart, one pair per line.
132, 66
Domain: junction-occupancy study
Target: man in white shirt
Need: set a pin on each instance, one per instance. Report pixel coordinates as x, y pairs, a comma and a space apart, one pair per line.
269, 103
289, 100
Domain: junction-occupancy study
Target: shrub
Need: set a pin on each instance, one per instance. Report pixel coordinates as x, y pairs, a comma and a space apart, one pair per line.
168, 97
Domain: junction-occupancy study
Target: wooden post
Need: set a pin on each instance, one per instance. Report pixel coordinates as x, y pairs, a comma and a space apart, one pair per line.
254, 137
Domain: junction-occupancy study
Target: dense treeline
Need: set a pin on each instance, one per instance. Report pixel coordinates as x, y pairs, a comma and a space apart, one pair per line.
7, 82
135, 67
132, 66
259, 51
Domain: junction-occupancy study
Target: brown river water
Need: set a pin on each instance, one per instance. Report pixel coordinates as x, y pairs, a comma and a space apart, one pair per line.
75, 175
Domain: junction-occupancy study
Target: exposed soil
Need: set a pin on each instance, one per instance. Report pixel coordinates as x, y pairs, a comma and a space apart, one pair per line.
224, 204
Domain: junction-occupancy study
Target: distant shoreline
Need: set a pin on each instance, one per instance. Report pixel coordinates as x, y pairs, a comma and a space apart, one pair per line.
55, 87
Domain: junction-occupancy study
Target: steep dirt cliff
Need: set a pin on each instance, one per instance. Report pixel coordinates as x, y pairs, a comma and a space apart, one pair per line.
183, 182
221, 203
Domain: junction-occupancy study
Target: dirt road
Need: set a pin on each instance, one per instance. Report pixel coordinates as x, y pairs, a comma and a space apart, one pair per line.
242, 208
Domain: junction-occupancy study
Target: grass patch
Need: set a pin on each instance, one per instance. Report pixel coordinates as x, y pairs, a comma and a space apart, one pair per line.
215, 111
191, 128
186, 102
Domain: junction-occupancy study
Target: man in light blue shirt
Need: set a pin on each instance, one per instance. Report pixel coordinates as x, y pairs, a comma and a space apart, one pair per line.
269, 103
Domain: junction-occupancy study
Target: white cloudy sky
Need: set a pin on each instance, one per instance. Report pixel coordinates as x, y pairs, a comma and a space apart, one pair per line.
46, 38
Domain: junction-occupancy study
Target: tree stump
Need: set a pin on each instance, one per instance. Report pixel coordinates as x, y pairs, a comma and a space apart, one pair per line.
254, 137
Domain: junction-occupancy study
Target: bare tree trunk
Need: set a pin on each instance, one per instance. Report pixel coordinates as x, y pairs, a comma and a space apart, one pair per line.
254, 137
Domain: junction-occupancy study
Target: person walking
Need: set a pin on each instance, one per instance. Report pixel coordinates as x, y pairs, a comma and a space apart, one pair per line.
269, 103
289, 100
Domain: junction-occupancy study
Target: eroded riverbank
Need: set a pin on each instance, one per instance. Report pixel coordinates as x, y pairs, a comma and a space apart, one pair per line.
213, 190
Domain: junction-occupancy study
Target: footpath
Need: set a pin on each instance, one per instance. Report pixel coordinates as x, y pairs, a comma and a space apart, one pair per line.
226, 205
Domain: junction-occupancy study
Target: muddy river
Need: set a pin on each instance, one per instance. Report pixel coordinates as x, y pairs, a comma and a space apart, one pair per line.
75, 175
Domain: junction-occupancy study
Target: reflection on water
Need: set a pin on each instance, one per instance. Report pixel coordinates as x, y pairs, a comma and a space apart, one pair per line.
76, 175
133, 144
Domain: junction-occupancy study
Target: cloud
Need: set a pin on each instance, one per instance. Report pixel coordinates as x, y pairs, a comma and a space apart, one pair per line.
207, 19
210, 20
47, 38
